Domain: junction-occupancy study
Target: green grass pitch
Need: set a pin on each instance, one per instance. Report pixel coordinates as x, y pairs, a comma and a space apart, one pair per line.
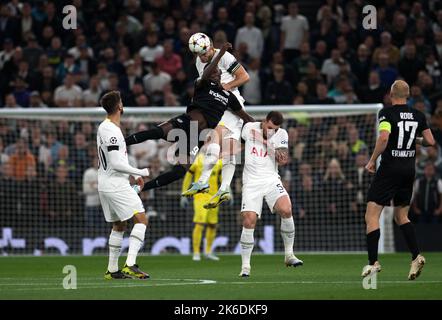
329, 276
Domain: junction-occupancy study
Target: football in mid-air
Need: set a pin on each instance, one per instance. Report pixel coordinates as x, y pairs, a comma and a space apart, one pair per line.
199, 43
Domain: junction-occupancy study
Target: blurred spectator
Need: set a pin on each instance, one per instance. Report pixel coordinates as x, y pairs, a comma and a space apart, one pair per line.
388, 48
354, 142
92, 208
152, 50
410, 65
251, 90
69, 94
144, 152
360, 179
427, 199
222, 23
22, 162
373, 92
32, 52
330, 67
170, 99
62, 196
321, 96
399, 28
80, 43
67, 67
35, 100
92, 94
11, 102
169, 61
294, 31
156, 80
335, 189
387, 73
250, 35
278, 91
361, 65
4, 158
7, 53
8, 25
21, 93
130, 78
307, 199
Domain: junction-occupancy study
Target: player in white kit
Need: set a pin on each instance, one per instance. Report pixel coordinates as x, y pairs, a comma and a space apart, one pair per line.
266, 147
118, 198
228, 132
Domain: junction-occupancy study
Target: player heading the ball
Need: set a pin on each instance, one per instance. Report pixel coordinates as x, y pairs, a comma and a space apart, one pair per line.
228, 131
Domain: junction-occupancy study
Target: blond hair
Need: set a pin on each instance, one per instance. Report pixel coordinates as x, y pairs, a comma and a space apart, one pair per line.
400, 90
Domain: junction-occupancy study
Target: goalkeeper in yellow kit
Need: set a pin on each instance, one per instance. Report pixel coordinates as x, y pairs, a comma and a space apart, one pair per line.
203, 217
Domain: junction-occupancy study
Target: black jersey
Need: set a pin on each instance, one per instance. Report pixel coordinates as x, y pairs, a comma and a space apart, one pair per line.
404, 124
212, 101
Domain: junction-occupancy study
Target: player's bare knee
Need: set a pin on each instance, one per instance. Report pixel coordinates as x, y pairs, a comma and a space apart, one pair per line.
249, 220
119, 226
140, 217
285, 212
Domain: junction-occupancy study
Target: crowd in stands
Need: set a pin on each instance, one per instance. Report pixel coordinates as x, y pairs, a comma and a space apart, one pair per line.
139, 47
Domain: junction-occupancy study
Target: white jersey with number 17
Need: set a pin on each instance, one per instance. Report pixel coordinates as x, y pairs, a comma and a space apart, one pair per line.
259, 166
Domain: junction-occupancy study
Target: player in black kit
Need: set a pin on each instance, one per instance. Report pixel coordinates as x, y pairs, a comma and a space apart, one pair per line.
400, 128
206, 109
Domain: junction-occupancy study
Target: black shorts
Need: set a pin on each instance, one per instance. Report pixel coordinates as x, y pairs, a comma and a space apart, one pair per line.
392, 184
188, 138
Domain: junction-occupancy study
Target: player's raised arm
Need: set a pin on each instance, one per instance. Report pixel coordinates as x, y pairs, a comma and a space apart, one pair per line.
241, 77
214, 63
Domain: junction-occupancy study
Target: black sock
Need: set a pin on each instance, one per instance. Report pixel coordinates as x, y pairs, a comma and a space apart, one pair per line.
372, 245
410, 237
177, 172
152, 134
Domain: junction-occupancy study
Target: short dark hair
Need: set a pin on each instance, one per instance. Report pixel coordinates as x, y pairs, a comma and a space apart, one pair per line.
110, 101
276, 117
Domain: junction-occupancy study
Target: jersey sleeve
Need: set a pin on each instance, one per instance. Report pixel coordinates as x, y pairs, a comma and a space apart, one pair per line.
423, 123
234, 103
384, 121
229, 62
283, 140
245, 133
112, 139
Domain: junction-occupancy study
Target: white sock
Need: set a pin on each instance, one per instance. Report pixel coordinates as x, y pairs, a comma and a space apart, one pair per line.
288, 234
227, 172
210, 159
115, 241
135, 243
247, 242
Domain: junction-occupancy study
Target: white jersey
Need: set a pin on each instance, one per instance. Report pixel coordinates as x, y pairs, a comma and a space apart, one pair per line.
228, 65
259, 166
110, 139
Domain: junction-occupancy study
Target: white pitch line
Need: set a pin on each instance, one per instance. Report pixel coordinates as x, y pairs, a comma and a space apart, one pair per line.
328, 282
142, 283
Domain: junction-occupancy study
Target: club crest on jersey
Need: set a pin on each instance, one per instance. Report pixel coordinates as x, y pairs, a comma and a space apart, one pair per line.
113, 140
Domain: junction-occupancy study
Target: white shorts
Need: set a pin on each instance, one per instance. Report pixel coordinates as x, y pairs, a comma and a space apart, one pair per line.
120, 205
233, 123
253, 196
